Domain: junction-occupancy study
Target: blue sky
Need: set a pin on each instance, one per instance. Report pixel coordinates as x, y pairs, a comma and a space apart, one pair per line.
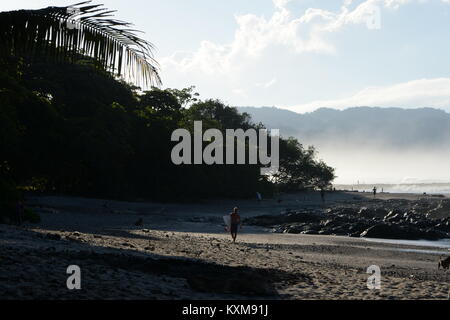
297, 54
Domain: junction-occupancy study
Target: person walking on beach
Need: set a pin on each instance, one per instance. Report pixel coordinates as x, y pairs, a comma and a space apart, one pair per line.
235, 219
322, 194
374, 192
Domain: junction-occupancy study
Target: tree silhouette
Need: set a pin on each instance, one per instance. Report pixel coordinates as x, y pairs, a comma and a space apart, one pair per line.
82, 29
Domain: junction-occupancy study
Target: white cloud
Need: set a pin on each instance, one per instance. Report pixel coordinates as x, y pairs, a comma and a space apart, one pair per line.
239, 92
238, 69
281, 3
255, 34
413, 94
268, 84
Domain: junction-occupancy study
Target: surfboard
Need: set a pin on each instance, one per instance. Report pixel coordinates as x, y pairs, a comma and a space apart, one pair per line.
227, 220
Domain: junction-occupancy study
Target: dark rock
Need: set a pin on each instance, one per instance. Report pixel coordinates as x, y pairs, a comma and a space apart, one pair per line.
53, 236
302, 228
329, 223
444, 225
393, 214
441, 211
394, 218
384, 231
435, 234
311, 232
343, 211
372, 213
74, 239
357, 228
390, 219
393, 231
297, 217
127, 244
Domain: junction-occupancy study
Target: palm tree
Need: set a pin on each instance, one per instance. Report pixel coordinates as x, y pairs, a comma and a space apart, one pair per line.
65, 33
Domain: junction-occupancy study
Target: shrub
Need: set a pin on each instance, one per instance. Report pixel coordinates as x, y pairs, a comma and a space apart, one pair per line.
8, 196
31, 216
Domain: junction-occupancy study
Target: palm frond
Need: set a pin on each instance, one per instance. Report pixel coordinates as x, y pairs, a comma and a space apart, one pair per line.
64, 33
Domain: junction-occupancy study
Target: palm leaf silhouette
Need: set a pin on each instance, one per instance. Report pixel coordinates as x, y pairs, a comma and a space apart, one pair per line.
65, 33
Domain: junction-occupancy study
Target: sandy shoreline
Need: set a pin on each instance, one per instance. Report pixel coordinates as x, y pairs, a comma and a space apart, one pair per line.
182, 252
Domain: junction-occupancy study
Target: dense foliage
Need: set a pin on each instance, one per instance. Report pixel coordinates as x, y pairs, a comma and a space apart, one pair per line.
68, 126
74, 129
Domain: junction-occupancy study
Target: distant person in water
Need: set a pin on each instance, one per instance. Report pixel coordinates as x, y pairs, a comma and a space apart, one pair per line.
235, 219
374, 192
322, 194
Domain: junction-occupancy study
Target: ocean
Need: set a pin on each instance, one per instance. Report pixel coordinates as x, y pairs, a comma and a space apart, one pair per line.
418, 188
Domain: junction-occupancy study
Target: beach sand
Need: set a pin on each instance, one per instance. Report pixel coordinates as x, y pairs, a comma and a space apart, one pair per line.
183, 252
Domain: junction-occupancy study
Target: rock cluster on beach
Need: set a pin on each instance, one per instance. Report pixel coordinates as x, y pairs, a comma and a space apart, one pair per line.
392, 219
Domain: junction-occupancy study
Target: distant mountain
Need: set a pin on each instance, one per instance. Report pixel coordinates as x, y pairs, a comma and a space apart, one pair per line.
361, 126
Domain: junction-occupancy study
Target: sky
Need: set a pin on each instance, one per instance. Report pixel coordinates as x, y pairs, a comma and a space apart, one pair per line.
296, 54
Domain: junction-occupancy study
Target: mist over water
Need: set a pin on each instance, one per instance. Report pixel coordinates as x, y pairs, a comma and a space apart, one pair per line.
394, 170
404, 148
410, 170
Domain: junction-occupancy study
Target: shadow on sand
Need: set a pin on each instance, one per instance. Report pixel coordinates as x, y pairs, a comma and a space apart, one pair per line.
200, 276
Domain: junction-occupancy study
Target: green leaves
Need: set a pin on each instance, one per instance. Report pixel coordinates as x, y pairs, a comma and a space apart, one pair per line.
300, 168
65, 34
